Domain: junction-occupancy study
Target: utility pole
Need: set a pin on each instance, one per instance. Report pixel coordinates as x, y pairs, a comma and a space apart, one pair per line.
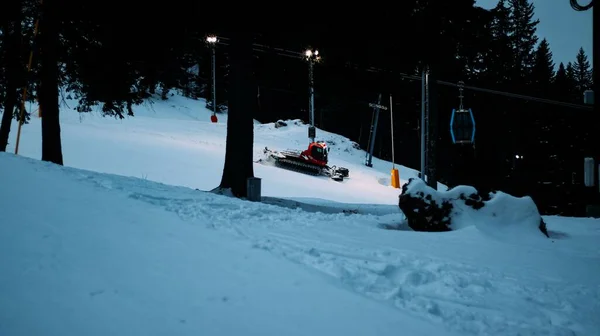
212, 41
431, 55
311, 102
214, 78
595, 67
432, 130
392, 131
593, 207
312, 57
424, 86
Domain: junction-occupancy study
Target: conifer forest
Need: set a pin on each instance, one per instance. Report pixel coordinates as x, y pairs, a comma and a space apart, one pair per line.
118, 58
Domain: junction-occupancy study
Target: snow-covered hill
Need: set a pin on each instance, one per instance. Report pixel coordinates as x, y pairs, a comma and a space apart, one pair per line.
139, 251
174, 142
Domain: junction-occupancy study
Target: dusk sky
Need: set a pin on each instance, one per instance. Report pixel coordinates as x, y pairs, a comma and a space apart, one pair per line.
565, 29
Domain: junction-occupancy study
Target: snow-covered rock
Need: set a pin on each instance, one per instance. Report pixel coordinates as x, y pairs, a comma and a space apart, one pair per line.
494, 213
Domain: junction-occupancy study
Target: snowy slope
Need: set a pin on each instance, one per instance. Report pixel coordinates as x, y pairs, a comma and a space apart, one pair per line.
167, 259
174, 142
111, 255
101, 260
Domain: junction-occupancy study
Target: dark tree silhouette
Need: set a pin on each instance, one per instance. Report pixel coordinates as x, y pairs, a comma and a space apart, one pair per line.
49, 81
543, 69
572, 82
561, 85
500, 56
583, 73
523, 38
12, 46
240, 127
115, 60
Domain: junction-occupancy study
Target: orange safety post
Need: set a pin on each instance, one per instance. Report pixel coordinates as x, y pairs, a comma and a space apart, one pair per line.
395, 174
395, 178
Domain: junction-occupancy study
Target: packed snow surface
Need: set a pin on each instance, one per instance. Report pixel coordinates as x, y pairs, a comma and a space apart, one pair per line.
140, 251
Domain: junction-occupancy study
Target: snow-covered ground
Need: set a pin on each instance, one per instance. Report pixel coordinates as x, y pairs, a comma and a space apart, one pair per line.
174, 142
142, 252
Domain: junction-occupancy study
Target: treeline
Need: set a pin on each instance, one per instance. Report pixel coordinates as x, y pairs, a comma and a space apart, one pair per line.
117, 56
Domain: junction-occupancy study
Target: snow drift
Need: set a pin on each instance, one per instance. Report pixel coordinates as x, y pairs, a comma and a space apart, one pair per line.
495, 213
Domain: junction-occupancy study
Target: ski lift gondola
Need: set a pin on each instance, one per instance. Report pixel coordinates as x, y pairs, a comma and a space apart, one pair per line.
462, 122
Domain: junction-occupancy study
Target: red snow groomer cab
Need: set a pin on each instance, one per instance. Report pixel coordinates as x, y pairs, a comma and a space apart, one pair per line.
312, 160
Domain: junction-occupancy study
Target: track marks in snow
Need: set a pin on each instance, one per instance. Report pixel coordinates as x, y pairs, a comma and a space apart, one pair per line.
468, 299
456, 295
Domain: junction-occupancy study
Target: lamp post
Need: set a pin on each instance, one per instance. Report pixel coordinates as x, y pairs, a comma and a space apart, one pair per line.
590, 97
212, 41
312, 56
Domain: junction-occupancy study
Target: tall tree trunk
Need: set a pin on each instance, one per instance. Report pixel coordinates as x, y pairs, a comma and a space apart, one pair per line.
12, 43
49, 43
240, 127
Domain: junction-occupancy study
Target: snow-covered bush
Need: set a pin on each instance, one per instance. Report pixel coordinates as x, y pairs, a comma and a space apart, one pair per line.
280, 123
430, 210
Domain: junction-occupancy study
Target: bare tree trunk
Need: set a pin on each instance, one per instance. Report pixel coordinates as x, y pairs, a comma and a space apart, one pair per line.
49, 43
12, 43
240, 127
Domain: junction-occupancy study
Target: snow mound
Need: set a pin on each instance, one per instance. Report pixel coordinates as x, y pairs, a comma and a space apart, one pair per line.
506, 216
496, 213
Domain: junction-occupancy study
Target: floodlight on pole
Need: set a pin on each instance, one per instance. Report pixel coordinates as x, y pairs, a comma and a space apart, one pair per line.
212, 41
312, 56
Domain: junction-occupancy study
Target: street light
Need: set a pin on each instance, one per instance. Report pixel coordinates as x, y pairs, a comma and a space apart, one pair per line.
312, 56
212, 41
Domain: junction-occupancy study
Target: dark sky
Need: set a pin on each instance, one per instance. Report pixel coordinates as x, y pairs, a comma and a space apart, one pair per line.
565, 29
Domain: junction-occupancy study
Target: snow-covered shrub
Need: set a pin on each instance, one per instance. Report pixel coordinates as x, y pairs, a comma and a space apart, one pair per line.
280, 123
430, 210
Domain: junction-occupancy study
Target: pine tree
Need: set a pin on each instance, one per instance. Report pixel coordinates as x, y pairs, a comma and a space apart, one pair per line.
500, 53
542, 74
582, 74
561, 86
572, 82
542, 78
542, 121
474, 42
523, 38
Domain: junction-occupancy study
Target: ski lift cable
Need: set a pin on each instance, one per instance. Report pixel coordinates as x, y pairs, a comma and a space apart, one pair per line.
298, 55
500, 93
519, 96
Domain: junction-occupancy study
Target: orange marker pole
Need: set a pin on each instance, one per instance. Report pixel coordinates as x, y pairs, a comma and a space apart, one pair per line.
395, 176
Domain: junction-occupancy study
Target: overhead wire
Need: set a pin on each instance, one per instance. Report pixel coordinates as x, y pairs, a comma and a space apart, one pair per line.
495, 92
299, 55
